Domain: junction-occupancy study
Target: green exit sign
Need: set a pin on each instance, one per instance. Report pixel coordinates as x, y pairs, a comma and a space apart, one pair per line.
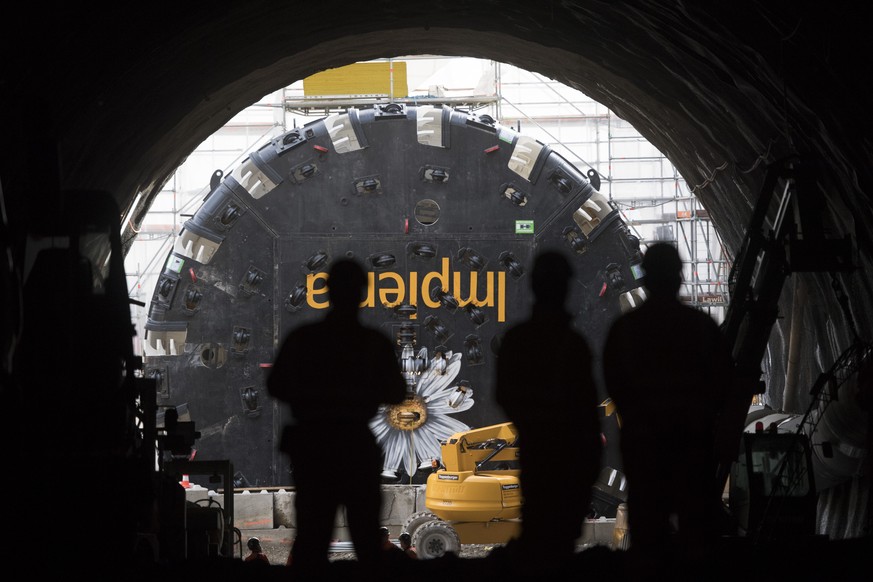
524, 227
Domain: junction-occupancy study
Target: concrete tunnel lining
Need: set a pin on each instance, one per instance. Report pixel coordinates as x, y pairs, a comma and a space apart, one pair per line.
706, 86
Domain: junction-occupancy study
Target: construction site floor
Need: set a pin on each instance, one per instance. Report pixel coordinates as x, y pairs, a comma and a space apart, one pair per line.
846, 560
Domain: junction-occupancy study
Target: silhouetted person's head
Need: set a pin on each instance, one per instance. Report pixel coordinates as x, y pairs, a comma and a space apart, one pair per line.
662, 270
346, 284
385, 537
550, 279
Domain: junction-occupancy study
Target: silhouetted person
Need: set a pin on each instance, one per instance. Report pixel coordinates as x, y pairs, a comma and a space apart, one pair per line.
546, 387
406, 545
396, 559
256, 552
334, 374
667, 368
385, 539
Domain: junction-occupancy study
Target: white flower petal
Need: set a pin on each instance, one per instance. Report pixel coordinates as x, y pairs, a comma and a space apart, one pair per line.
440, 394
442, 424
379, 427
410, 456
425, 380
394, 447
437, 403
429, 442
438, 382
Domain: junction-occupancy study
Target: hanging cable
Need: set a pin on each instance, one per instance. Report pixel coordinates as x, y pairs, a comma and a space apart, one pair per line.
760, 158
843, 300
710, 179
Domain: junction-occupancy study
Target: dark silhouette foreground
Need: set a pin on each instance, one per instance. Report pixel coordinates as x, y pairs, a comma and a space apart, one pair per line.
667, 367
546, 387
334, 374
732, 560
320, 372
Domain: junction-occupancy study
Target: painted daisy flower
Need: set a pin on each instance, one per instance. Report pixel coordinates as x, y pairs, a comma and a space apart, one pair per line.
410, 432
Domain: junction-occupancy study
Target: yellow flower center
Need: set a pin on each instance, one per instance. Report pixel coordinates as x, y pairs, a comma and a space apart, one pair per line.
408, 415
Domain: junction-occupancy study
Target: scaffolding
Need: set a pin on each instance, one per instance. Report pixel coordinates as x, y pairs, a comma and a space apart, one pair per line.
639, 180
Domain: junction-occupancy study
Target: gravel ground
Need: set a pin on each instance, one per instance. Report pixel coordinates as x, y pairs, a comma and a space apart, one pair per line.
278, 552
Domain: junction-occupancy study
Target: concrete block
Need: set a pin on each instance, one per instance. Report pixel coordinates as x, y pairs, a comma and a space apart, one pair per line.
250, 510
284, 514
597, 532
279, 536
398, 502
419, 498
197, 494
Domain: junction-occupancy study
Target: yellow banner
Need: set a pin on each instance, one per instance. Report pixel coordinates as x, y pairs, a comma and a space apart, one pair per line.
380, 78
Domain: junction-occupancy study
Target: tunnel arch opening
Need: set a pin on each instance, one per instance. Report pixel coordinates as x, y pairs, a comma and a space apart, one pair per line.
712, 178
565, 180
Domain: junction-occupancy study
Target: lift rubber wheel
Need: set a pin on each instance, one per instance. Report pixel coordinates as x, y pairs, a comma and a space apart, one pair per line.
416, 520
435, 539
